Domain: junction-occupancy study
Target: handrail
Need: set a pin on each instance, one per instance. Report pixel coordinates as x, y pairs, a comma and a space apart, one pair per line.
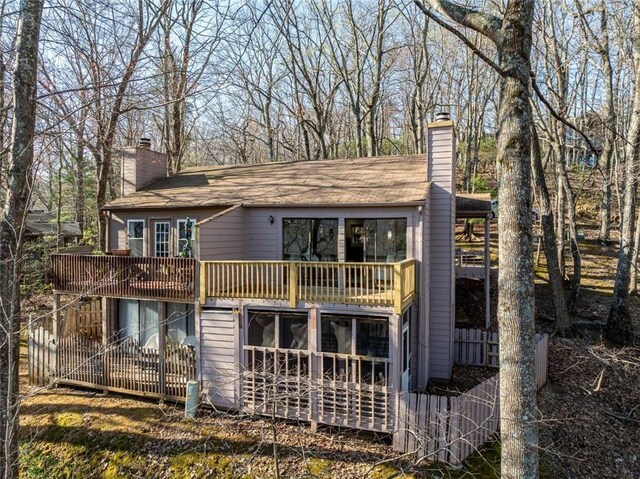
374, 284
170, 279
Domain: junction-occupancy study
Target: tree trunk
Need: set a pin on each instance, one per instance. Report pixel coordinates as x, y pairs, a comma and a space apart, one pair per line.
556, 280
12, 227
633, 286
516, 321
619, 323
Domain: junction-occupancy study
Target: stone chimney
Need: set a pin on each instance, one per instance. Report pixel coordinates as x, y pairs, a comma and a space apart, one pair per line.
441, 154
141, 166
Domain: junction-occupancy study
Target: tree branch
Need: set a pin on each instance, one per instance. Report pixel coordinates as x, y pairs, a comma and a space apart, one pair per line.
462, 37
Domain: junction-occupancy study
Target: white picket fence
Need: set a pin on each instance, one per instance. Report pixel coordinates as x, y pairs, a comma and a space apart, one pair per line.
450, 429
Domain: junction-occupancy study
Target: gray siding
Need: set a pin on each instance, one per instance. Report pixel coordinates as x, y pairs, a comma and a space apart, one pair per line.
223, 238
421, 346
219, 358
118, 224
441, 158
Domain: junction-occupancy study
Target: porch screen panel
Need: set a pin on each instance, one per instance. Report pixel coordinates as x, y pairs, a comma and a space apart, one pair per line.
310, 239
150, 314
294, 331
129, 319
262, 330
180, 322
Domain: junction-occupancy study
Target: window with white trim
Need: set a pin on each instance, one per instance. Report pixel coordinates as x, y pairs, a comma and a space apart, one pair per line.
162, 233
185, 237
135, 237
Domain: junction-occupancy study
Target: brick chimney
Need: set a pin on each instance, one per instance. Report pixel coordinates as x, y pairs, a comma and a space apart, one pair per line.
441, 154
141, 166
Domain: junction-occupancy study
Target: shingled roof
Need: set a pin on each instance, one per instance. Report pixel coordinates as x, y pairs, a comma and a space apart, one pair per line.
357, 181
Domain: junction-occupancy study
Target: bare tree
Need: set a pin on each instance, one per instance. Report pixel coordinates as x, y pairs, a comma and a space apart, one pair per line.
512, 35
12, 228
619, 323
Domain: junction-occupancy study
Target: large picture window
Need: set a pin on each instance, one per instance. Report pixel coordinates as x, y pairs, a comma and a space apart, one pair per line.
376, 240
310, 239
135, 237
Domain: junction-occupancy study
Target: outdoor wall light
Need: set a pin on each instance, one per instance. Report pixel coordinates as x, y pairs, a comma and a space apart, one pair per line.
271, 219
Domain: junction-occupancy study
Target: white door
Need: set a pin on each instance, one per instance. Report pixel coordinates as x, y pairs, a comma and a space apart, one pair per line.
406, 358
161, 238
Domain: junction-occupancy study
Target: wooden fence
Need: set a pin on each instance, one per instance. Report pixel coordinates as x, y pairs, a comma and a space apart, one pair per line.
475, 347
125, 367
41, 351
84, 319
450, 429
79, 356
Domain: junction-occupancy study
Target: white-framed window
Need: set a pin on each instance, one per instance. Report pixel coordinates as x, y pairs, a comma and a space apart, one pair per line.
361, 336
135, 237
184, 237
282, 330
161, 235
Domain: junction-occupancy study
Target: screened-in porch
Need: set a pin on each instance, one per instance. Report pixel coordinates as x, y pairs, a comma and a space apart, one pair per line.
141, 347
328, 368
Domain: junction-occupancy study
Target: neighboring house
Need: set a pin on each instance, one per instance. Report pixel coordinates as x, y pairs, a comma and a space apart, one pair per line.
320, 289
42, 223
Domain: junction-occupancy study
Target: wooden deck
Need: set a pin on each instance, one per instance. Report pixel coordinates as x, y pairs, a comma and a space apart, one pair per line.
470, 264
166, 279
372, 284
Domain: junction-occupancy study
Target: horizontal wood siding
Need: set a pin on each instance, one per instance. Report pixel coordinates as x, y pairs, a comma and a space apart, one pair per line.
118, 224
222, 238
441, 155
219, 360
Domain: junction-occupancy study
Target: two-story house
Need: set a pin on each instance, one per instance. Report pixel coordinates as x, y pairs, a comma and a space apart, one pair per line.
318, 289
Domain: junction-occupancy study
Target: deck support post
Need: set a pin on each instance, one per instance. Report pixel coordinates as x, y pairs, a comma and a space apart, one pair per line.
107, 306
162, 337
487, 272
293, 284
398, 288
315, 377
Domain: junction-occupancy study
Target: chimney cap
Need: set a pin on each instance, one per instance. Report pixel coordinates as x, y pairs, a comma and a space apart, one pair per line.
144, 142
443, 116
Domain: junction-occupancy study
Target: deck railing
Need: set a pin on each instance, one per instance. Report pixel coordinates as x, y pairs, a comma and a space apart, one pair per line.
469, 259
169, 279
375, 284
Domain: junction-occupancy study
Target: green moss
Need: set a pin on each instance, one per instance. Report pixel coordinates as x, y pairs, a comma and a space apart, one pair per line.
197, 465
385, 471
318, 467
